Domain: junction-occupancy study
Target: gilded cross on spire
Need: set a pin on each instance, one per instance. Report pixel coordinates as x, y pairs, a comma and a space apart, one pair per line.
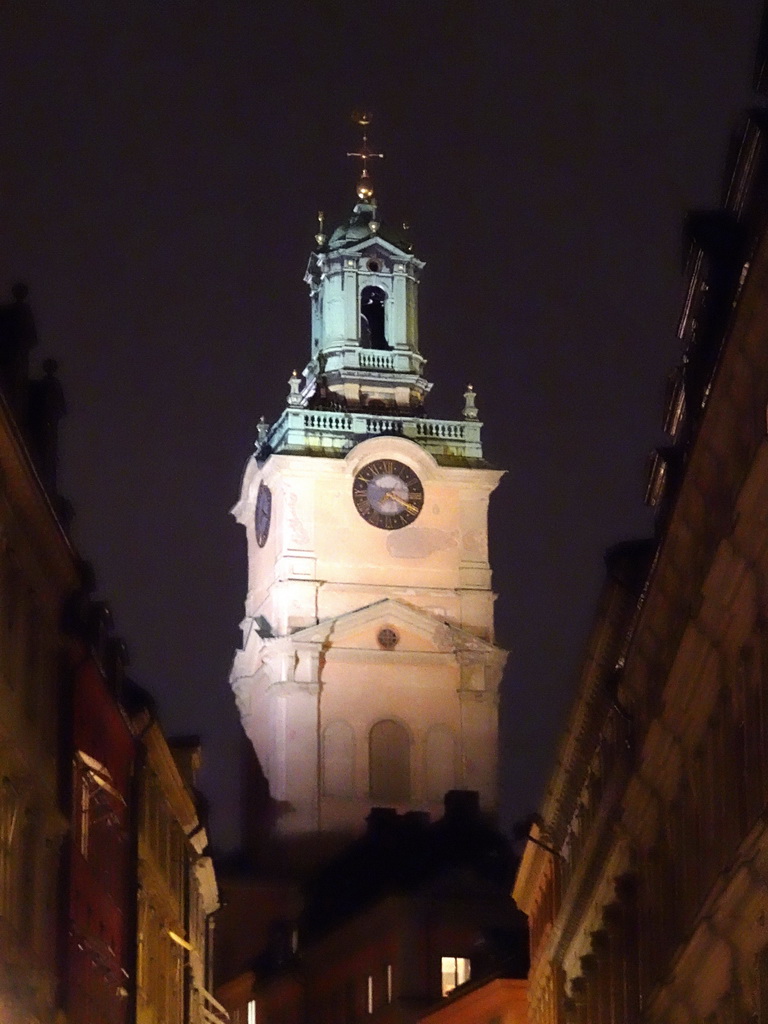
364, 187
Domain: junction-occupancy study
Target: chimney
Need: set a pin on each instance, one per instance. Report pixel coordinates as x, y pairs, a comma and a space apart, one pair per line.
462, 805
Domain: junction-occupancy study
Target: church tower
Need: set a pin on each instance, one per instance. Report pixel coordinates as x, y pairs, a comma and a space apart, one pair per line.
368, 673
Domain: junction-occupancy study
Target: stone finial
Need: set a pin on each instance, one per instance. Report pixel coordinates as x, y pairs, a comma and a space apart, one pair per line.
46, 407
469, 412
320, 237
294, 384
373, 223
262, 428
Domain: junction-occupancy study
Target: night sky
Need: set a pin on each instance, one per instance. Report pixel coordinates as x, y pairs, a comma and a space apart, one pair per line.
161, 166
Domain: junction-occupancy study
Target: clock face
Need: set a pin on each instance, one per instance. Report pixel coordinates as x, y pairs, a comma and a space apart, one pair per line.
263, 514
387, 494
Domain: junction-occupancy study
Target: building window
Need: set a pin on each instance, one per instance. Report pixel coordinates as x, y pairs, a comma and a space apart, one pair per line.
350, 1007
390, 762
455, 971
372, 317
84, 814
388, 638
439, 762
370, 994
10, 809
389, 983
98, 813
251, 1011
338, 760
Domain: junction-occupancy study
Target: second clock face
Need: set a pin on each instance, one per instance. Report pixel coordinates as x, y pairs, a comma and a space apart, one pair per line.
387, 494
263, 514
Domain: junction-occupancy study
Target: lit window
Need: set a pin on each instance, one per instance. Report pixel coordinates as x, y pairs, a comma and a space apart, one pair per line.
455, 971
99, 805
370, 993
252, 1011
389, 983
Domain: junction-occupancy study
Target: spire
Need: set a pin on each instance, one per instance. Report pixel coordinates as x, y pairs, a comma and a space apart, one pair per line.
364, 187
365, 373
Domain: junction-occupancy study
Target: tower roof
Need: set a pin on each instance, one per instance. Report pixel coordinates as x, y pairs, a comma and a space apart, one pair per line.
358, 227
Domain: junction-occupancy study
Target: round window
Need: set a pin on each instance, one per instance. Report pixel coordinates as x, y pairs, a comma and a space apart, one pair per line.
388, 638
374, 266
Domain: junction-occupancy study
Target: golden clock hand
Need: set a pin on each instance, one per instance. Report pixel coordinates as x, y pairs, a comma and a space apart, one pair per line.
401, 501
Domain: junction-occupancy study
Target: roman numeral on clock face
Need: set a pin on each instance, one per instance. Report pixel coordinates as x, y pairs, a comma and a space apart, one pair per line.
387, 494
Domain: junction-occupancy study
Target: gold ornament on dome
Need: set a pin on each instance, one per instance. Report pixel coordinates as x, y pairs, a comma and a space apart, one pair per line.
364, 187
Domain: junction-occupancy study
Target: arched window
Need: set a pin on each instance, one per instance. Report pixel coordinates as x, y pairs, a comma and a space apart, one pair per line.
390, 762
372, 318
440, 762
338, 760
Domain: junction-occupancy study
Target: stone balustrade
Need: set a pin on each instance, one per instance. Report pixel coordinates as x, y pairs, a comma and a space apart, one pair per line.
315, 431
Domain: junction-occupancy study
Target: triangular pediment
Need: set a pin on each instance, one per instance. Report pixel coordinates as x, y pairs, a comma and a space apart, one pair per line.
416, 629
376, 245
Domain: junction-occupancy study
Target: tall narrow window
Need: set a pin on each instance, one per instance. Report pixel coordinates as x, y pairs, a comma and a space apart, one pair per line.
390, 762
83, 812
251, 1011
350, 1007
29, 655
370, 993
14, 602
29, 888
372, 317
389, 983
440, 762
10, 807
455, 971
338, 759
762, 982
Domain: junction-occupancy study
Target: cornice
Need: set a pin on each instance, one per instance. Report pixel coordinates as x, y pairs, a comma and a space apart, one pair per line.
589, 710
160, 760
673, 598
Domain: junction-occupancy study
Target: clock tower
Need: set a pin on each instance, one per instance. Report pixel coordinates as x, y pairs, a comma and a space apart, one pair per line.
368, 673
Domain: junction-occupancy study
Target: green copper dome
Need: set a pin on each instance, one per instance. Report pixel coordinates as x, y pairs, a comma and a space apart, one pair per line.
357, 228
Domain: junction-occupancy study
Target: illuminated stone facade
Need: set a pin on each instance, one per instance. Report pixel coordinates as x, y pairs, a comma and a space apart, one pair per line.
368, 671
177, 891
650, 900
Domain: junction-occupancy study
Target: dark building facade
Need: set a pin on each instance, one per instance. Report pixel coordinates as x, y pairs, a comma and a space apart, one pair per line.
94, 807
38, 571
646, 882
98, 866
390, 926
